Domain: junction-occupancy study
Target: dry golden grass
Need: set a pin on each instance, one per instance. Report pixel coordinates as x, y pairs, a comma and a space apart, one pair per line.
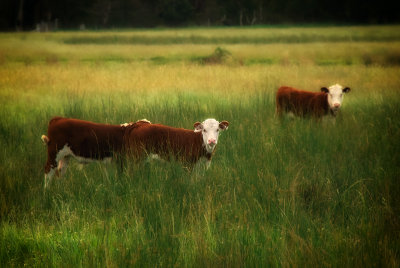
145, 78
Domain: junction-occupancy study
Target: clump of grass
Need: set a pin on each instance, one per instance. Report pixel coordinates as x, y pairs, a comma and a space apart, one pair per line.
52, 59
367, 59
393, 59
219, 56
264, 61
159, 60
327, 62
381, 59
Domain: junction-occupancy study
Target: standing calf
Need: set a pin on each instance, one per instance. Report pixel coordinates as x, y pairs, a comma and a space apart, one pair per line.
302, 103
185, 145
83, 140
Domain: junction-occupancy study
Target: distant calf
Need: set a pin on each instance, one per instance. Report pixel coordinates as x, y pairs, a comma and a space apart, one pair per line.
302, 103
184, 145
83, 140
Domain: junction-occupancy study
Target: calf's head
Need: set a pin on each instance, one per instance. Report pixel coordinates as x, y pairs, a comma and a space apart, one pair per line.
210, 129
335, 95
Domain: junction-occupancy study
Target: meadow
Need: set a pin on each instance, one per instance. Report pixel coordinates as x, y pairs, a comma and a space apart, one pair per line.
297, 192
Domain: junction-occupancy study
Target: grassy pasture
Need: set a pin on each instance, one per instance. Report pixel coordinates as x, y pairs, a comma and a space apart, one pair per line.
291, 193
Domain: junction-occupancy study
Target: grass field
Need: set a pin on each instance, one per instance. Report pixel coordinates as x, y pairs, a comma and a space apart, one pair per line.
291, 193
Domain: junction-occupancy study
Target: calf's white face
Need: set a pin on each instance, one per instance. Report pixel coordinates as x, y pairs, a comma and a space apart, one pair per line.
210, 129
335, 95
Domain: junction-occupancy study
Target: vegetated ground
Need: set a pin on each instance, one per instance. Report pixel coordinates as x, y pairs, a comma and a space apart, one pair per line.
299, 192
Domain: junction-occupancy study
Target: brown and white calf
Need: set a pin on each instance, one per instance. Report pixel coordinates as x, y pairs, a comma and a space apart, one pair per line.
317, 104
187, 146
83, 140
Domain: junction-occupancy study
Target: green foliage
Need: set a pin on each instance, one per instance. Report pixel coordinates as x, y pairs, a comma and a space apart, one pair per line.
220, 55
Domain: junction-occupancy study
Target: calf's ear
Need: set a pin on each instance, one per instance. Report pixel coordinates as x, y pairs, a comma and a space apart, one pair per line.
198, 127
324, 89
223, 125
346, 89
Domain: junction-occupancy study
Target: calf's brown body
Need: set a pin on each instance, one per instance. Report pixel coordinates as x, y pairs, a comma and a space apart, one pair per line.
182, 144
88, 140
302, 103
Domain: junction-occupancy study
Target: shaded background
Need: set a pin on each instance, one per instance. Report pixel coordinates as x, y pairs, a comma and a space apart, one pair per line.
103, 14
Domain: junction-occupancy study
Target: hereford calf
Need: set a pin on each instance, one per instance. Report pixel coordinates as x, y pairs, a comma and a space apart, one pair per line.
302, 103
85, 141
185, 145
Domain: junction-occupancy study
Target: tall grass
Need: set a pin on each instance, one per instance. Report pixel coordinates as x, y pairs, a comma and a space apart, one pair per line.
290, 193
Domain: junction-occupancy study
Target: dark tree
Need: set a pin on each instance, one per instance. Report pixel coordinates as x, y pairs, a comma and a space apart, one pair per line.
175, 12
69, 14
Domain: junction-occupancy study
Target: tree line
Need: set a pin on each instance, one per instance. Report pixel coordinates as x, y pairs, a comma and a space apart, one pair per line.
103, 14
